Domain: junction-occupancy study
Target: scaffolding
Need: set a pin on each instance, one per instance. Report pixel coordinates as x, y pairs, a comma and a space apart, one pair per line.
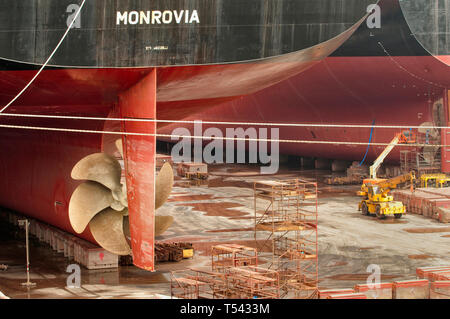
422, 160
198, 284
232, 255
288, 223
248, 282
252, 283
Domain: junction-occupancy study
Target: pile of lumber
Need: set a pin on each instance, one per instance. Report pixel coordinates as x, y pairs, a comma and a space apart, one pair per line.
358, 170
170, 252
164, 252
355, 175
126, 260
345, 180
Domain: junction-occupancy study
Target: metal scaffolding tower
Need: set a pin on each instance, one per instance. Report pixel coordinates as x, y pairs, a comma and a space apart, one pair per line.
198, 284
422, 160
286, 217
234, 283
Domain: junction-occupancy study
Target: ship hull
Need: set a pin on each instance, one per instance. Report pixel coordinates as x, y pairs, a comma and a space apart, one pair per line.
384, 76
385, 91
227, 50
138, 33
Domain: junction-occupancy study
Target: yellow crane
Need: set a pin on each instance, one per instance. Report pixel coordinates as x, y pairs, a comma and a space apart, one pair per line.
377, 199
376, 191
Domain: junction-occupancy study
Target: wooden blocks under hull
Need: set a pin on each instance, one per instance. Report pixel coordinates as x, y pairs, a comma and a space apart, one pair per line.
79, 250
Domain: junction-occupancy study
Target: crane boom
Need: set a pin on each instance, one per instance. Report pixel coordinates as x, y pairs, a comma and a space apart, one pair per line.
383, 155
393, 182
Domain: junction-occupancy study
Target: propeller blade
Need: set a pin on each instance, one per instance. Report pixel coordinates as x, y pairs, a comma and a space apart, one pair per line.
163, 185
126, 228
101, 168
119, 146
107, 229
162, 223
88, 199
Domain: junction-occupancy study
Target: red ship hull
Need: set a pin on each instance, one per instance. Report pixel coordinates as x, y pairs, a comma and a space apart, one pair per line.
399, 91
37, 164
350, 88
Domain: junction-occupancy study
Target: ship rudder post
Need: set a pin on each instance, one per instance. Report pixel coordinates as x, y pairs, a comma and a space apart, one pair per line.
139, 160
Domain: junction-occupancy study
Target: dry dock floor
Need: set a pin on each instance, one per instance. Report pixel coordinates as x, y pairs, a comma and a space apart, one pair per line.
221, 210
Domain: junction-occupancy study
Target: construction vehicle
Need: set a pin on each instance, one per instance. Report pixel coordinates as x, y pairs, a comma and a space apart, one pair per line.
377, 199
439, 180
376, 191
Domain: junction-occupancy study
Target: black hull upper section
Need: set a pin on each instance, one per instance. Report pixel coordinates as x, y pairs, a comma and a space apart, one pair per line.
141, 33
429, 22
403, 32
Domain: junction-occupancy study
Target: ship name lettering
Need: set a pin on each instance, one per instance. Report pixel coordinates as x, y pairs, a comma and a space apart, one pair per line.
157, 17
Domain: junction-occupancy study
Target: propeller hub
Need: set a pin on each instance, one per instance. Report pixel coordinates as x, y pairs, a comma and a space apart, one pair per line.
119, 195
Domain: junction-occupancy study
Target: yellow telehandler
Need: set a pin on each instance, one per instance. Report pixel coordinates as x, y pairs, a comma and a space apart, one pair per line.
377, 199
376, 191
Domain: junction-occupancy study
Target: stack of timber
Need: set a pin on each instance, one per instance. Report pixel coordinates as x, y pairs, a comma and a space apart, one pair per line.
165, 252
344, 180
174, 252
355, 175
358, 170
